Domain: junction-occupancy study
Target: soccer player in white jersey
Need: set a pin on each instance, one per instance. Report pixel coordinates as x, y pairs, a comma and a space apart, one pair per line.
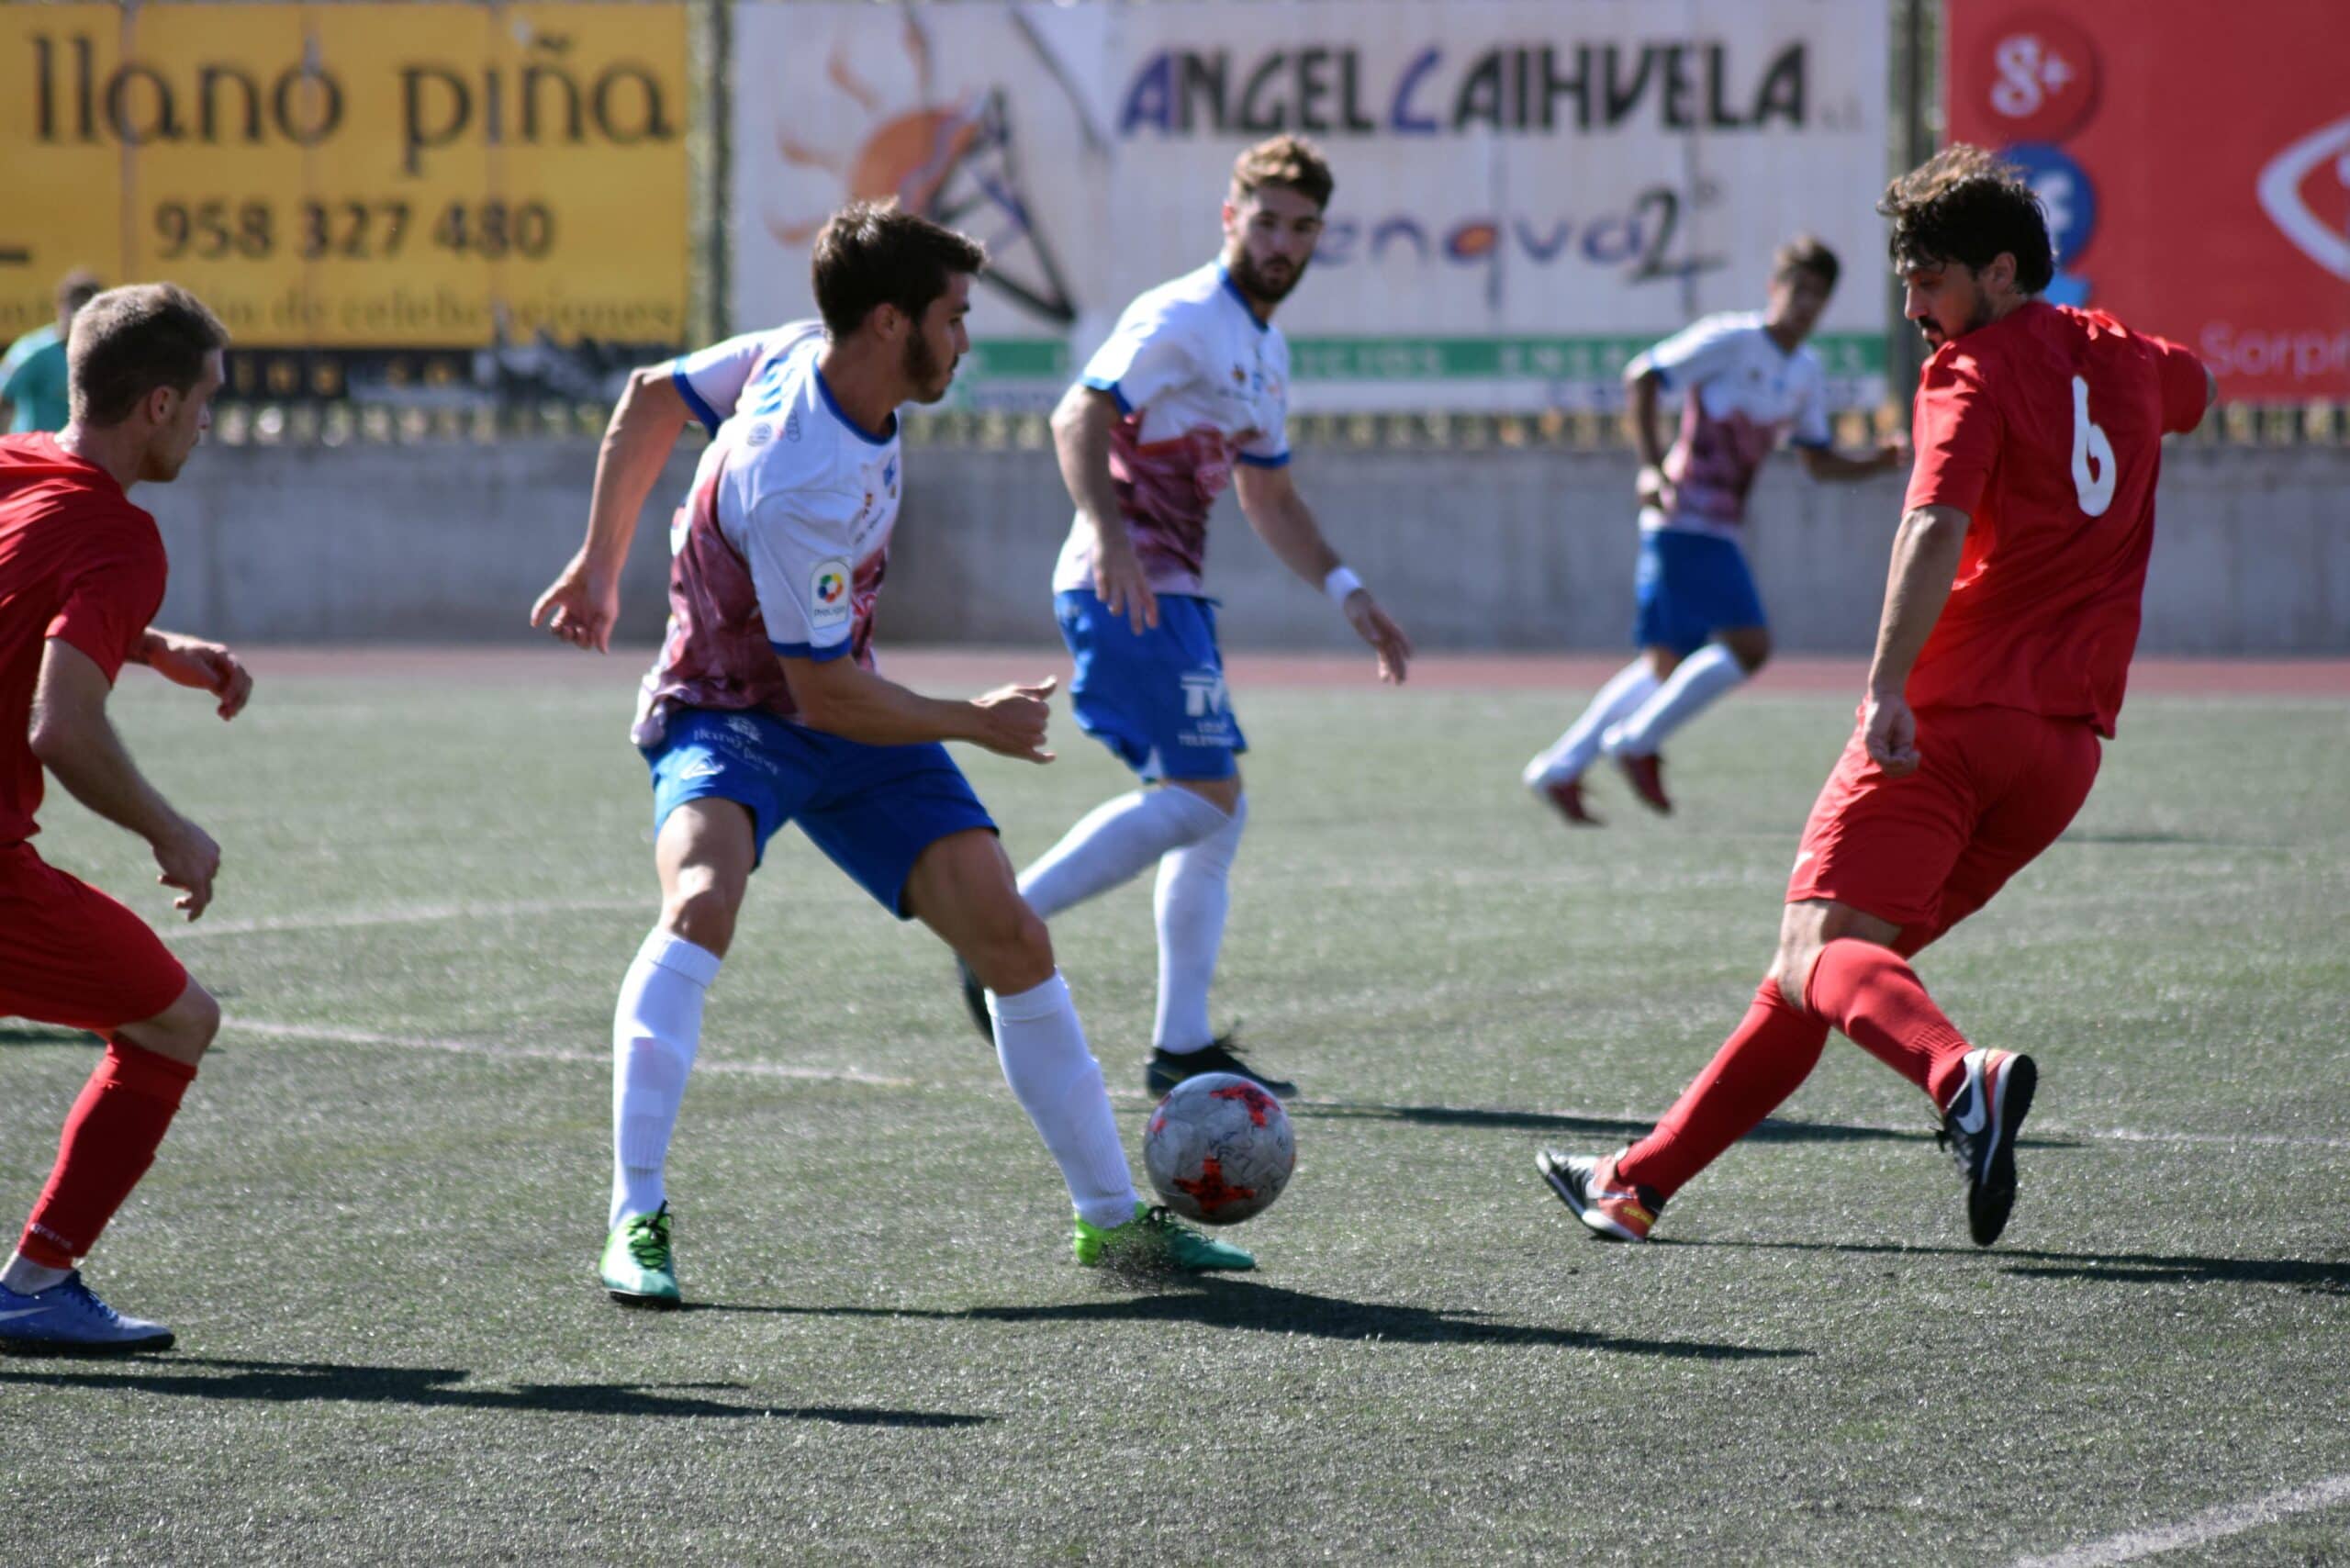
764, 707
1188, 394
1744, 379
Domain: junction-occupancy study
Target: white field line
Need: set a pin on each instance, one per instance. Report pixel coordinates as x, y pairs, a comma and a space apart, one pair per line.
408, 915
418, 914
2215, 1525
336, 1035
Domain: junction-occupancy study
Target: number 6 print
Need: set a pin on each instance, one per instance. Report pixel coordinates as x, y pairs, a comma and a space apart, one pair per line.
2092, 455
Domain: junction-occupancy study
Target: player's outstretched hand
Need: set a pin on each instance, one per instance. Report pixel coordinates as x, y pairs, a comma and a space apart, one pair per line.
189, 860
205, 666
1123, 587
1375, 626
1890, 731
1012, 720
581, 606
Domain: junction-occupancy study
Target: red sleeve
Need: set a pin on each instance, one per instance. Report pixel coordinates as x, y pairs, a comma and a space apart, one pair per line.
113, 590
2185, 393
1955, 429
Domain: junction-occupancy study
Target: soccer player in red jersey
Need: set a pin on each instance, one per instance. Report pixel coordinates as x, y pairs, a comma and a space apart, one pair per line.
81, 575
2010, 613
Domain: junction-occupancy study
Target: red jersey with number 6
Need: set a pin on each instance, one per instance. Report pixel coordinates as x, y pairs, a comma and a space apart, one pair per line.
78, 562
2045, 428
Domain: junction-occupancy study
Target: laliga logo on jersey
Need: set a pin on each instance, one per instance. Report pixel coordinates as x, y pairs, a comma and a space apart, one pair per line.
2287, 204
828, 593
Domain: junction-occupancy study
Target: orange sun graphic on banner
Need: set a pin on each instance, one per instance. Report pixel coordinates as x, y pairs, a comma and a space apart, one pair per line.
952, 161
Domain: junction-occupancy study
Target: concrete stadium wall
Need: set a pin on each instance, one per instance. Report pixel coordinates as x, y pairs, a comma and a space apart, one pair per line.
1502, 549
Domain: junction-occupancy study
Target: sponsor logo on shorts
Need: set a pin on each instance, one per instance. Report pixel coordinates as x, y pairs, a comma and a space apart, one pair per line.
828, 595
1203, 693
701, 767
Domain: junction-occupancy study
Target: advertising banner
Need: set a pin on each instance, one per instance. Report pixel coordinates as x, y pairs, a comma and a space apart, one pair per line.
1529, 191
2195, 165
429, 195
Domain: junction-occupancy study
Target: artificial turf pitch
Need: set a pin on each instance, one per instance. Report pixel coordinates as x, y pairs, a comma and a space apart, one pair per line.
375, 1223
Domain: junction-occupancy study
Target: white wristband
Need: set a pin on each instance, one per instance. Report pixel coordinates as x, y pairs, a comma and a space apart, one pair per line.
1339, 584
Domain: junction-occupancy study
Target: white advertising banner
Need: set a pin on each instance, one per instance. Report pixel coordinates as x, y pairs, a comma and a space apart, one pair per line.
1529, 191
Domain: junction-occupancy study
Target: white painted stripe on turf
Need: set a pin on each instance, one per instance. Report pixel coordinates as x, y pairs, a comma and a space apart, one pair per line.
405, 914
2219, 1523
543, 1053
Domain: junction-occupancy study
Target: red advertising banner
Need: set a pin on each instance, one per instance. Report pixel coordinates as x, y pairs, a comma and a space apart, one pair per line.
2195, 162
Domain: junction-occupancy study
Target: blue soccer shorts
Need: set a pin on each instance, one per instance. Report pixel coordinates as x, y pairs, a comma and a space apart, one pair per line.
1690, 587
871, 809
1157, 699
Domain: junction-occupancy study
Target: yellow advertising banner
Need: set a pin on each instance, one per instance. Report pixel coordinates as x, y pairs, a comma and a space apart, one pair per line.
354, 176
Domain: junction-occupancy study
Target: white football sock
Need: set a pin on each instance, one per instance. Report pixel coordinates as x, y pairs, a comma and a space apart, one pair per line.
1058, 1083
1194, 896
28, 1278
656, 1028
1702, 677
1114, 842
1579, 747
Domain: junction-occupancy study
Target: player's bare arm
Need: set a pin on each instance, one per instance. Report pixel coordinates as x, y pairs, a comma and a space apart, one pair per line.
1269, 499
199, 665
581, 604
1081, 440
1829, 466
1925, 563
1639, 422
842, 699
73, 739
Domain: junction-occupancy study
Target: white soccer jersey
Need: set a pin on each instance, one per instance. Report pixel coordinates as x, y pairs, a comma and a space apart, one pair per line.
781, 544
1199, 382
1740, 392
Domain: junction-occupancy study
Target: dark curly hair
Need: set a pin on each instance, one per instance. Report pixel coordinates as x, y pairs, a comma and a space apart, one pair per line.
1965, 204
870, 254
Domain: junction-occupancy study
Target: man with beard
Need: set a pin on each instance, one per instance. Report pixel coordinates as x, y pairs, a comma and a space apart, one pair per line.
1194, 376
764, 707
82, 574
1745, 380
2010, 613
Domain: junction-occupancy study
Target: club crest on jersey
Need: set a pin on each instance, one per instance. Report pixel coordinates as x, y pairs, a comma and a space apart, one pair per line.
828, 596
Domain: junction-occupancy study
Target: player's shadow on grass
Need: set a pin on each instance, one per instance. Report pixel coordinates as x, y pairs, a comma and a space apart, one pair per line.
1241, 1304
2109, 1268
43, 1034
1613, 1131
427, 1388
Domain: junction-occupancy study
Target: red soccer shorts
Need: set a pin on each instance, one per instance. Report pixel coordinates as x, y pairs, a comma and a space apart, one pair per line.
1993, 787
70, 954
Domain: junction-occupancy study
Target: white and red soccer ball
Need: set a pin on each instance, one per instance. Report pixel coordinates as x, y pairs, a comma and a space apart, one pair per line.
1219, 1148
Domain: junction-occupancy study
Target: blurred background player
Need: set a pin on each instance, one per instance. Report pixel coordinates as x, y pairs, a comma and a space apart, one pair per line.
764, 707
33, 373
1744, 379
82, 573
1193, 381
2010, 613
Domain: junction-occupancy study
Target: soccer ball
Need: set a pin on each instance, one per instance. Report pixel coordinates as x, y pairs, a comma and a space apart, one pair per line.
1219, 1148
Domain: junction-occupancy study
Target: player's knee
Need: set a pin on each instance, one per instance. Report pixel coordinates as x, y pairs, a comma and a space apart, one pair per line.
1014, 953
1751, 647
204, 1019
184, 1032
700, 912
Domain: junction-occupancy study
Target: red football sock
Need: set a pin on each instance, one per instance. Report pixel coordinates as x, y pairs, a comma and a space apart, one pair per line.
1772, 1051
1875, 997
109, 1141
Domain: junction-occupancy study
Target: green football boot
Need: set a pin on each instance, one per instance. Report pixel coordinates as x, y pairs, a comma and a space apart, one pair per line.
1152, 1243
638, 1270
